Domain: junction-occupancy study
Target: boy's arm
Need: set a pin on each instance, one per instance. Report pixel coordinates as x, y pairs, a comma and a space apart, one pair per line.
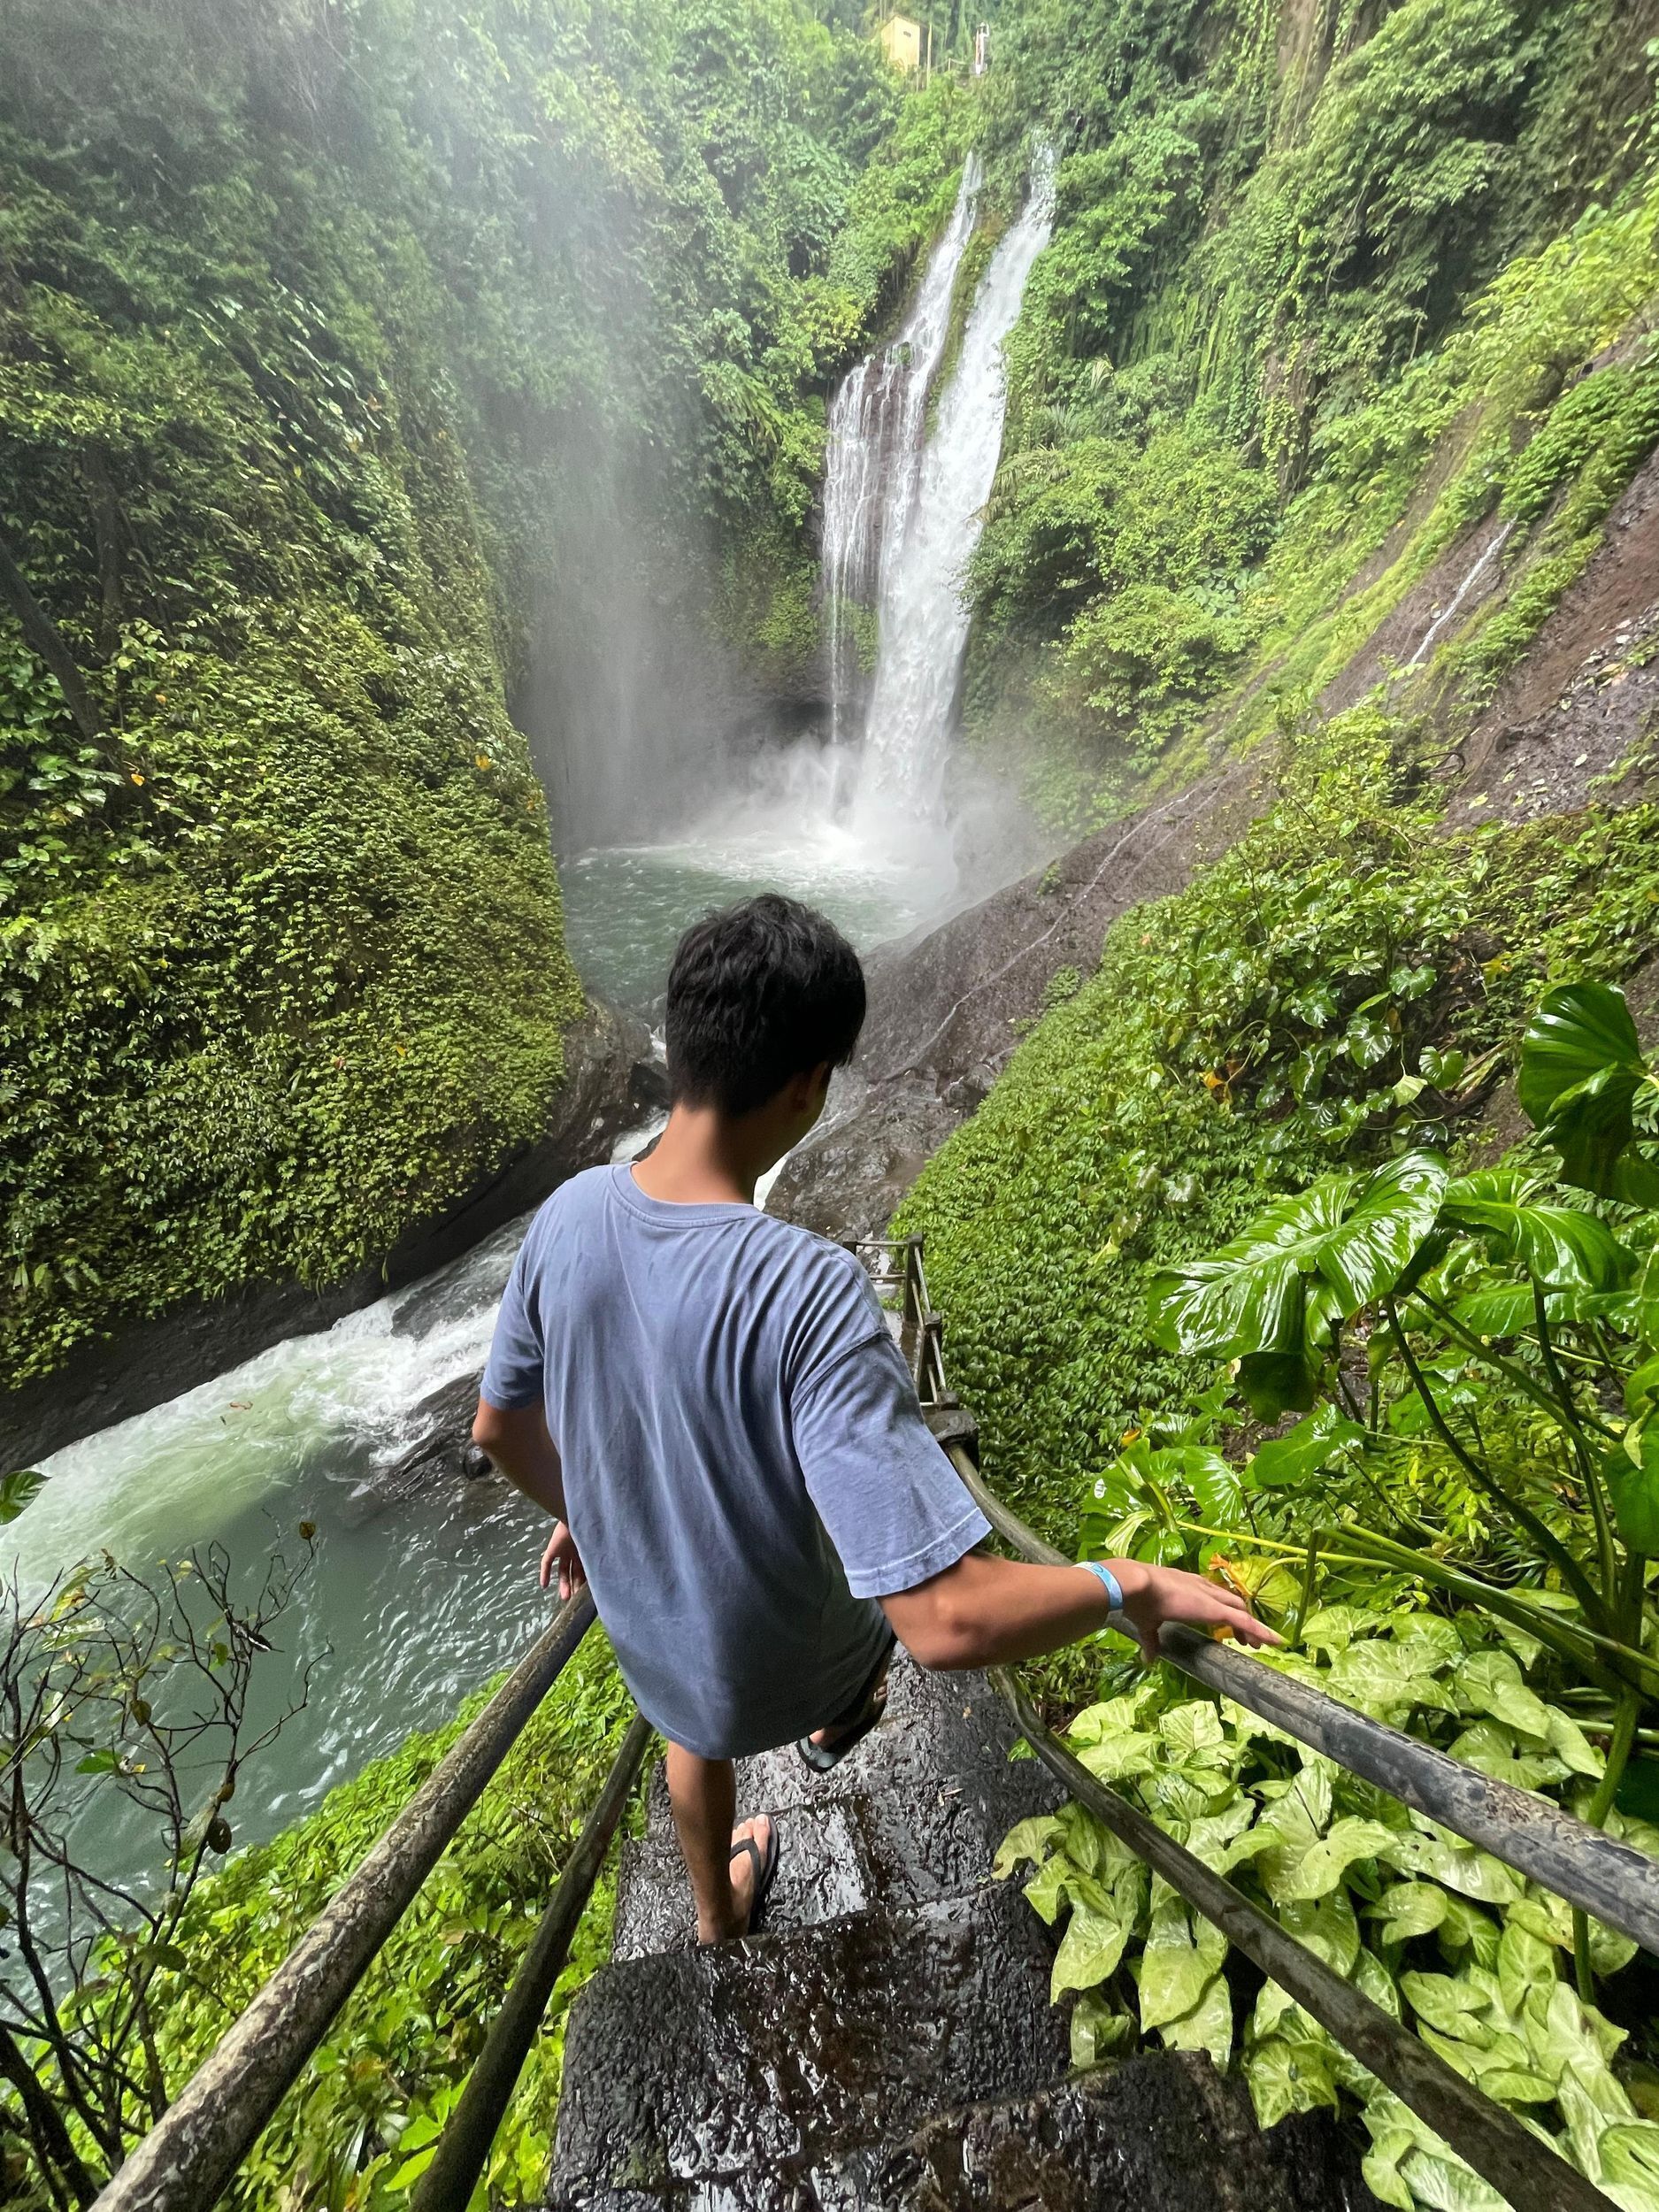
986, 1611
516, 1439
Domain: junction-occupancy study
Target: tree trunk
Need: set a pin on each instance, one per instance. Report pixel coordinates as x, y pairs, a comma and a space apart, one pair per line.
106, 531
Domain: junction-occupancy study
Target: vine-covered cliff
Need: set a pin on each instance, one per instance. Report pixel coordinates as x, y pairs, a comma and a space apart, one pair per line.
355, 362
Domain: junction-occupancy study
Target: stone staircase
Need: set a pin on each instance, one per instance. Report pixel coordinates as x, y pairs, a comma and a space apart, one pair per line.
886, 2044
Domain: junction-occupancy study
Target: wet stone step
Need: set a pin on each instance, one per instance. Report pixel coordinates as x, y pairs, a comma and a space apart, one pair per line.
771, 2057
1162, 2133
930, 1793
825, 1870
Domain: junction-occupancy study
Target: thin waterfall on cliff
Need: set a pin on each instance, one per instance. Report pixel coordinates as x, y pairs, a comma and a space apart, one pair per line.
922, 613
875, 451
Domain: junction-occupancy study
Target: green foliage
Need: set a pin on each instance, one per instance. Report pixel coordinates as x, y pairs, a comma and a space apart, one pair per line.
1438, 1933
1330, 251
323, 355
902, 197
18, 1490
1582, 1075
359, 2127
1485, 1325
1346, 977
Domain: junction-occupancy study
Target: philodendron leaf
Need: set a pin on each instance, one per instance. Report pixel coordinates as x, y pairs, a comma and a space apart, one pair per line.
1631, 1470
1273, 1298
1286, 2076
1411, 1908
1099, 2031
1286, 1461
1581, 1067
1183, 1954
1560, 1247
1249, 1296
1629, 2152
1089, 1950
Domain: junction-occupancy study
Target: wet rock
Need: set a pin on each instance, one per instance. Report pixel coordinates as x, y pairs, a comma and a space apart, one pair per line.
948, 1006
612, 1083
825, 1871
1164, 2131
915, 1812
777, 2053
443, 1449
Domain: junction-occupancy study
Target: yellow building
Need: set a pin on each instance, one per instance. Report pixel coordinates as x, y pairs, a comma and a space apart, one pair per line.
901, 38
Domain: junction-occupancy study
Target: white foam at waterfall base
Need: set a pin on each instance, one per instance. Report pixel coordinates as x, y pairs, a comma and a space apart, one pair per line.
924, 614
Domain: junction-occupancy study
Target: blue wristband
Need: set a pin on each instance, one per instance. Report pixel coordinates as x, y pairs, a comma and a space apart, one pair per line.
1109, 1581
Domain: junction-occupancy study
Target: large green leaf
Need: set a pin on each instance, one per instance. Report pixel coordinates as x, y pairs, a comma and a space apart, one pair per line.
1249, 1296
1285, 2076
1581, 1067
1304, 1264
1561, 1246
1286, 1461
1631, 1470
1089, 1950
17, 1490
1182, 1955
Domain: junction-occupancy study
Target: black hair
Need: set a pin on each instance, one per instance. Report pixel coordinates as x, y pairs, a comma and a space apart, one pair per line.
758, 994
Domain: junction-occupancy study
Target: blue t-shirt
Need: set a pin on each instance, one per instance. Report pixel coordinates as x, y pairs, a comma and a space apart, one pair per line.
746, 1465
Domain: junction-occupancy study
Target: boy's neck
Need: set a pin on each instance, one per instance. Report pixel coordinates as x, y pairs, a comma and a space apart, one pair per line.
705, 1157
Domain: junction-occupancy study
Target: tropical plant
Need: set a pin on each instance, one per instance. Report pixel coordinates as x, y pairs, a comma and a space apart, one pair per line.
1435, 1931
1456, 1534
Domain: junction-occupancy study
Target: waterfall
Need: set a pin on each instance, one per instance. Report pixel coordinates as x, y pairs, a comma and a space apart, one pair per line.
1448, 613
875, 451
923, 615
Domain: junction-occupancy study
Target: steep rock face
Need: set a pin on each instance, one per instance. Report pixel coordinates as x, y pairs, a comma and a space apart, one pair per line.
611, 1082
948, 1006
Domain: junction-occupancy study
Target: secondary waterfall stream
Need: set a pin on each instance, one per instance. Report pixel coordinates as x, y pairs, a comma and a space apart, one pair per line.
874, 458
418, 1594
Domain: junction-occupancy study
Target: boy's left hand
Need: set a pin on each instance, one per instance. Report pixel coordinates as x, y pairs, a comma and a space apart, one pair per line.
562, 1558
1153, 1595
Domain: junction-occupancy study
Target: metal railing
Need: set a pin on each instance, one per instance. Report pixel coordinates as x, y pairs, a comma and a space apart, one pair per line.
189, 2156
1608, 1880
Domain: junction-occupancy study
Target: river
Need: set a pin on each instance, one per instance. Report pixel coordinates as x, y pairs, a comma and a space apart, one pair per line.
416, 1596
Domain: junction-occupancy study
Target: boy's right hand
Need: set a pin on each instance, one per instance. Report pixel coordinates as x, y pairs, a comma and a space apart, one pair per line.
562, 1558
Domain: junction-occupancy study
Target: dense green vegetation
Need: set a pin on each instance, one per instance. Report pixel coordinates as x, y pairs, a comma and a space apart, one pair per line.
1457, 1536
323, 343
360, 2127
361, 2123
1265, 304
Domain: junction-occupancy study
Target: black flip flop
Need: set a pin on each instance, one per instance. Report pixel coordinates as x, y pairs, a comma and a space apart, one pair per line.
765, 1872
823, 1758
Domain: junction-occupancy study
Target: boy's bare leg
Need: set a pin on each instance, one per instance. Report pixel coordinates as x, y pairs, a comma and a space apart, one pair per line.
703, 1793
